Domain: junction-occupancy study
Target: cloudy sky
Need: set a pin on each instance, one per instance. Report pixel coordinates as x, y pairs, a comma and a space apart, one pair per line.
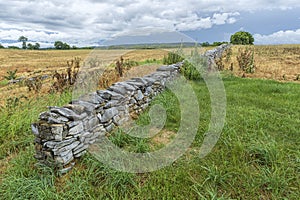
90, 22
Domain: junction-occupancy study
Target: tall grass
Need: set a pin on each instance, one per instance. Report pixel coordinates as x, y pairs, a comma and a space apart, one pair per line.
257, 156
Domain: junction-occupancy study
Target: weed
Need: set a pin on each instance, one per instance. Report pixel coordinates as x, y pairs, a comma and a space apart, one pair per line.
66, 79
245, 59
34, 84
11, 75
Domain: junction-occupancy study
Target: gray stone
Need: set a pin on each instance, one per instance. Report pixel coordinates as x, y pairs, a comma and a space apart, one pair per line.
76, 108
65, 159
116, 120
58, 145
73, 123
141, 80
99, 128
110, 127
35, 130
135, 84
139, 96
86, 135
80, 154
64, 153
66, 148
132, 101
57, 131
53, 118
90, 123
67, 169
112, 103
126, 86
167, 68
93, 98
118, 89
76, 129
88, 107
66, 113
149, 90
109, 114
106, 94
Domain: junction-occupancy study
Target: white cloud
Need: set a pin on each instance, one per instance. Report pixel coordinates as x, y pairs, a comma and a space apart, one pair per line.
280, 37
90, 20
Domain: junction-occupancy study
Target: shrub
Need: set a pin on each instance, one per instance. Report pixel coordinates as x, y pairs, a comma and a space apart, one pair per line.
172, 58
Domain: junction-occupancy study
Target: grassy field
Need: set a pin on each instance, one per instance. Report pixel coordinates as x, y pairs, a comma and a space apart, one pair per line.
256, 157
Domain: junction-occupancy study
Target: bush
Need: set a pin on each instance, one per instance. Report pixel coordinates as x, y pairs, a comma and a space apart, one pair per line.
172, 58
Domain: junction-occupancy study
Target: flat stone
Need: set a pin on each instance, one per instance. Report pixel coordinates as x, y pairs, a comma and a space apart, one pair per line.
149, 80
80, 147
118, 89
66, 148
70, 114
58, 145
107, 94
80, 154
126, 86
141, 80
135, 84
53, 118
76, 108
99, 129
112, 103
93, 98
65, 159
88, 107
76, 129
167, 68
73, 123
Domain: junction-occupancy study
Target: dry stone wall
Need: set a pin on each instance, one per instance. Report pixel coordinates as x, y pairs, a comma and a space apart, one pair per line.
65, 133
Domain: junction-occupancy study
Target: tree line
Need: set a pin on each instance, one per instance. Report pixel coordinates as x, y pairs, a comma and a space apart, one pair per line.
238, 38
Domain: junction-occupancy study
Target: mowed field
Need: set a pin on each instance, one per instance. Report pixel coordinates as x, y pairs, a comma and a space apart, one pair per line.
31, 64
277, 62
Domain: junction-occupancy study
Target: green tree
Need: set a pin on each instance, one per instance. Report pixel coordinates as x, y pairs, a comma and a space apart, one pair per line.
1, 46
29, 46
36, 46
242, 37
61, 45
23, 39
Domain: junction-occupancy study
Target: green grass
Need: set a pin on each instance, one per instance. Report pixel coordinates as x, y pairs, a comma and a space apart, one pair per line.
256, 157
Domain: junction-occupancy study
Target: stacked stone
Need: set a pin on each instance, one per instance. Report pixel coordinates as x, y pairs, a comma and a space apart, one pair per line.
213, 54
65, 133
